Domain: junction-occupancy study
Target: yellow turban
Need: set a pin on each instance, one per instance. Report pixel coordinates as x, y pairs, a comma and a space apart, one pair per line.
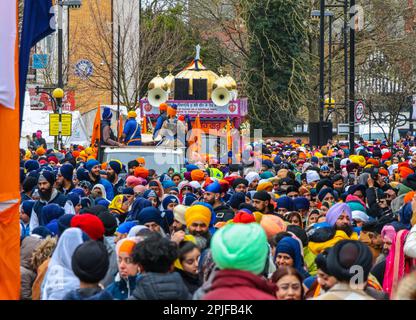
132, 114
258, 215
197, 213
265, 186
360, 160
28, 155
40, 151
117, 204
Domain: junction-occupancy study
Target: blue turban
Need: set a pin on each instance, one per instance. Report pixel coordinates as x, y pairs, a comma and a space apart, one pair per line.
116, 166
301, 203
149, 193
91, 164
291, 247
267, 163
53, 227
42, 231
66, 171
125, 227
128, 191
27, 206
405, 214
324, 192
237, 199
138, 205
213, 187
102, 202
324, 168
191, 167
107, 114
314, 159
82, 175
79, 191
64, 222
277, 160
74, 197
168, 200
50, 212
31, 165
189, 199
285, 202
168, 184
150, 214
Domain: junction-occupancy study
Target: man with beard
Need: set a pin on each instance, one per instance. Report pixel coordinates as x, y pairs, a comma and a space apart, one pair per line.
48, 194
93, 167
198, 220
324, 172
262, 202
212, 196
64, 182
114, 168
339, 216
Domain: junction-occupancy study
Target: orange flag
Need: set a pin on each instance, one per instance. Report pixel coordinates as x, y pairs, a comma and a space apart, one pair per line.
198, 126
120, 127
229, 139
144, 125
96, 128
9, 157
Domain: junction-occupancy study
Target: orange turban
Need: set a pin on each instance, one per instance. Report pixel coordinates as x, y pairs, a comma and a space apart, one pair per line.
40, 151
383, 172
373, 162
141, 161
272, 225
409, 196
141, 172
104, 166
163, 107
75, 154
405, 171
197, 175
265, 186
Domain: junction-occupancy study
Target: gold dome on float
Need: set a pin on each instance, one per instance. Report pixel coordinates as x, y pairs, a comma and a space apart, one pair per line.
158, 82
169, 79
222, 82
196, 70
231, 81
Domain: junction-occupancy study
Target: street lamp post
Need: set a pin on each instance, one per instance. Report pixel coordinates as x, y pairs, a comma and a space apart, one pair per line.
352, 77
321, 62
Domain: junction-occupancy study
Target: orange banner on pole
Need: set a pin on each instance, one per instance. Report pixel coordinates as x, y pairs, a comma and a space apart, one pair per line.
144, 125
198, 128
120, 128
96, 128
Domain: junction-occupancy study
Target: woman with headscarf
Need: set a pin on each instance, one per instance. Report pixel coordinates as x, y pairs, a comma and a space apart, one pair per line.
157, 187
187, 263
289, 254
98, 191
118, 207
138, 204
397, 264
60, 279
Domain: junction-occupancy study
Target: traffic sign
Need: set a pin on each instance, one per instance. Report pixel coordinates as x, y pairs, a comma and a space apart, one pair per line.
359, 110
66, 124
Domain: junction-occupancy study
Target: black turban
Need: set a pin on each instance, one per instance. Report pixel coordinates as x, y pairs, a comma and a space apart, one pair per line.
347, 254
90, 261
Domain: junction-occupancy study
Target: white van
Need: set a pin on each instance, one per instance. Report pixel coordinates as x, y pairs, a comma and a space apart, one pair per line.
157, 158
377, 133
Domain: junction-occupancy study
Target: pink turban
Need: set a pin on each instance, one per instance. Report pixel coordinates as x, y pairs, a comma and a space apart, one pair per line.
133, 181
388, 232
139, 189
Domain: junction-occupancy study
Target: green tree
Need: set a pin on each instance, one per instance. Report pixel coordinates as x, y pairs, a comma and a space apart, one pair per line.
277, 64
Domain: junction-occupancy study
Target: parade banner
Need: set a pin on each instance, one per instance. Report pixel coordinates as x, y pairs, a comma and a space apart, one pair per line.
204, 108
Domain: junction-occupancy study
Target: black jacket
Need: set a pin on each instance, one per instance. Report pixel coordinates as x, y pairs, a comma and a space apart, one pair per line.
192, 282
160, 286
374, 209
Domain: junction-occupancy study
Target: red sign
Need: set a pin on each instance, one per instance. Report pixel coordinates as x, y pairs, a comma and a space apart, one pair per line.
43, 102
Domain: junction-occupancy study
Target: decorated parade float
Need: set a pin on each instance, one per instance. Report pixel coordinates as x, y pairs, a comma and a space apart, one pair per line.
210, 100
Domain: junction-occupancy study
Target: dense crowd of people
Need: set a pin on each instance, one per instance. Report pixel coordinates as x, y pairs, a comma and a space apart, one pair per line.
294, 222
